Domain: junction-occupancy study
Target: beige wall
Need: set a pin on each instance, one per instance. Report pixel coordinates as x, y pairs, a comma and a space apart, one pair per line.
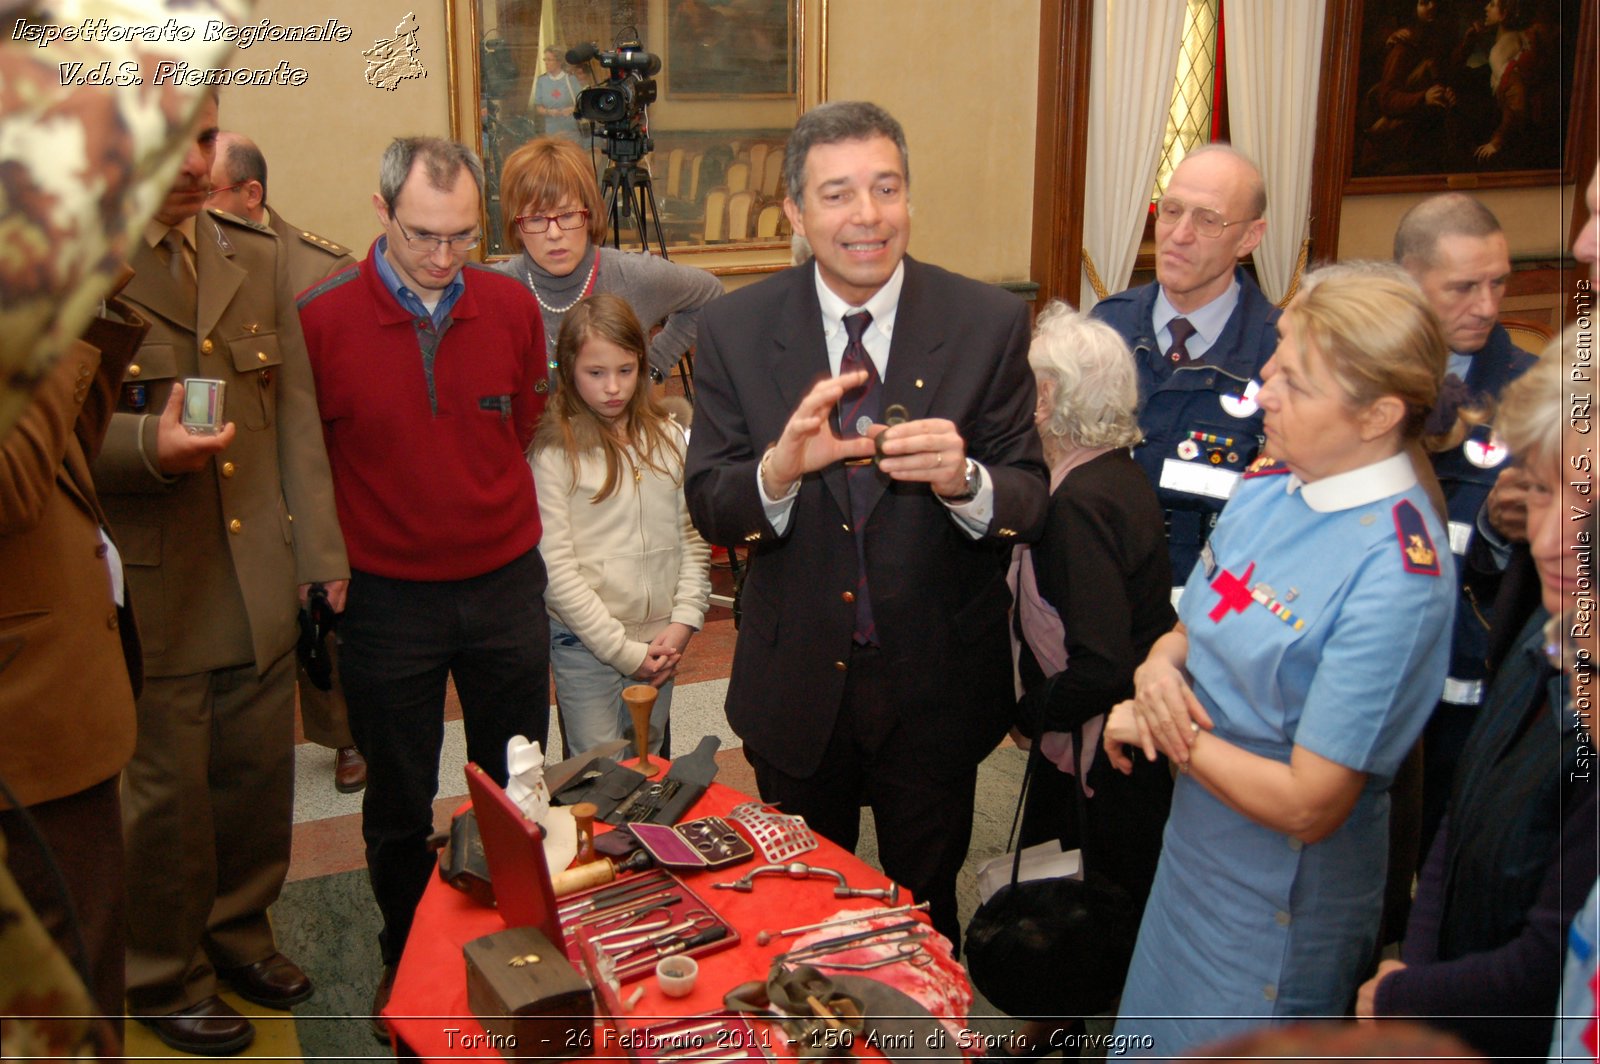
969, 119
1535, 220
322, 139
968, 110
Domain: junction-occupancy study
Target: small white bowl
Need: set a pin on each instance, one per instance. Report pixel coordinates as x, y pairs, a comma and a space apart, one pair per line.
676, 975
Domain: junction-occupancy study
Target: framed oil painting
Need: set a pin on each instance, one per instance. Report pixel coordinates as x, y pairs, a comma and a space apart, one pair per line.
1462, 94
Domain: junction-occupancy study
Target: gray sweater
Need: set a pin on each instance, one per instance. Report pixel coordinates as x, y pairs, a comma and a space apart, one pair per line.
658, 291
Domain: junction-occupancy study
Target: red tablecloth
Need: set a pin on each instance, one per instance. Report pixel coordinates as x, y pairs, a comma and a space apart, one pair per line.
428, 1010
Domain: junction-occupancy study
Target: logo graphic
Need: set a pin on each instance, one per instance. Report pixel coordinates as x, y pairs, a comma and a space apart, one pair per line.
392, 61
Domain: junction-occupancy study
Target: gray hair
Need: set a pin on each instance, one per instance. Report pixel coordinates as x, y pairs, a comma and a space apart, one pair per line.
1534, 408
242, 161
1096, 398
1447, 214
1355, 268
442, 160
831, 123
1258, 184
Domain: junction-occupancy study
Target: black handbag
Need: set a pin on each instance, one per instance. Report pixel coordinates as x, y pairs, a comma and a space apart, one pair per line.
1052, 948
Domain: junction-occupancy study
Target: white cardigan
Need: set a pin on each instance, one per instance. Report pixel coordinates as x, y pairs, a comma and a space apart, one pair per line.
622, 569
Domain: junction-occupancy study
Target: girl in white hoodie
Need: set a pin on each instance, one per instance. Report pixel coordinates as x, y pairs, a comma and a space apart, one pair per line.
628, 574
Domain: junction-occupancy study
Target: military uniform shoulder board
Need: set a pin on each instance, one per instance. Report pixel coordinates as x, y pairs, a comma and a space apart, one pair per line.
1417, 552
323, 243
1264, 467
224, 216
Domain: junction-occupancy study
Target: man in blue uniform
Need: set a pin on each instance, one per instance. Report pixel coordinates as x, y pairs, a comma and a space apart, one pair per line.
1200, 335
1454, 247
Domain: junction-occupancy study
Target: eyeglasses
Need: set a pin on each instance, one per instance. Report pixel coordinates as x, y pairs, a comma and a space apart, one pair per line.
428, 245
539, 223
226, 188
1207, 222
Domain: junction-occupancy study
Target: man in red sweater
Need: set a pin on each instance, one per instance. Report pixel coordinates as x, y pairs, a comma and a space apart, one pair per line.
430, 378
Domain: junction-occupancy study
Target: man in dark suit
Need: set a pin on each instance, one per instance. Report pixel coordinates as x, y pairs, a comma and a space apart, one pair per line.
239, 186
217, 532
873, 665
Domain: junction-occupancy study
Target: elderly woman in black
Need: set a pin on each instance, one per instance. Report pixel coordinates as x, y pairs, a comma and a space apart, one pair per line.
1092, 596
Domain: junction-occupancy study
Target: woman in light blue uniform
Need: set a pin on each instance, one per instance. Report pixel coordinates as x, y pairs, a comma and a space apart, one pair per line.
1312, 642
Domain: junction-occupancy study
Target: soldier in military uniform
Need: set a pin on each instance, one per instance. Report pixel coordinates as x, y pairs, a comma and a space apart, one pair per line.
239, 186
217, 532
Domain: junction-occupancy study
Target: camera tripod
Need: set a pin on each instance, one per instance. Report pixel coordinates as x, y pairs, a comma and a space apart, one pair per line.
628, 192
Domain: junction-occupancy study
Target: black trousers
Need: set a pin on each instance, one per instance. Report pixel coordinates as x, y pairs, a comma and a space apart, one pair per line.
924, 824
401, 639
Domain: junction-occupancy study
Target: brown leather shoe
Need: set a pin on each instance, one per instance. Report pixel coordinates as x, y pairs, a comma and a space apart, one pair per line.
379, 1025
211, 1027
276, 982
349, 770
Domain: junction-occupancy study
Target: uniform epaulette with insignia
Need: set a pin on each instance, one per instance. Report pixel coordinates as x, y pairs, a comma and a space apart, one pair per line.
323, 243
217, 212
1417, 552
1263, 467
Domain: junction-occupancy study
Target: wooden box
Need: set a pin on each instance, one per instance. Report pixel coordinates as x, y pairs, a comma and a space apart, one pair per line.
529, 998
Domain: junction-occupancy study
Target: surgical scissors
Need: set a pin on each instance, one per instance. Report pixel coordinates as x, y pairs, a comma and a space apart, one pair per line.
909, 950
655, 936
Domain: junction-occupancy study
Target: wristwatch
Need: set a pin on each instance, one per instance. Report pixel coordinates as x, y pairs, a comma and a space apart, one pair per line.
970, 491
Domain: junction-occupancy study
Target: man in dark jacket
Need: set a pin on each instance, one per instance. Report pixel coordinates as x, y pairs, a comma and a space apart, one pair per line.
1199, 335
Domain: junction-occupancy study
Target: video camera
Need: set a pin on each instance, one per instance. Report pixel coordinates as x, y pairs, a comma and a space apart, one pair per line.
617, 107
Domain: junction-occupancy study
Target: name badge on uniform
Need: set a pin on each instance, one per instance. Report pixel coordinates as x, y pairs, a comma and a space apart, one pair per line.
1485, 454
1241, 406
1197, 478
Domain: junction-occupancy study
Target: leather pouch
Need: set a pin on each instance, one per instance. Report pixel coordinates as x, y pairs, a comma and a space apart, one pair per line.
528, 996
604, 783
462, 863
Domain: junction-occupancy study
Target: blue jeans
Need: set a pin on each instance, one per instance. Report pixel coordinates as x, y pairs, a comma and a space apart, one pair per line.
589, 694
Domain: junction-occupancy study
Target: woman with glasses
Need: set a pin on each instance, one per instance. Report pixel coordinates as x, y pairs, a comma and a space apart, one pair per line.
1311, 646
560, 220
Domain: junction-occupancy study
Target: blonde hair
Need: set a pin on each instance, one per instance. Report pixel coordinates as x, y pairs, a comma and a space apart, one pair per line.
648, 436
543, 173
1534, 408
1096, 397
1376, 336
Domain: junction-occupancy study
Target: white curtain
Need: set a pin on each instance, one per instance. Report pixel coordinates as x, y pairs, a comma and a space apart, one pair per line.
1135, 52
1274, 57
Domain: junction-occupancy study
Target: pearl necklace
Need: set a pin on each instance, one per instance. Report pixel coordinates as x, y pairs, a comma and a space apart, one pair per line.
583, 290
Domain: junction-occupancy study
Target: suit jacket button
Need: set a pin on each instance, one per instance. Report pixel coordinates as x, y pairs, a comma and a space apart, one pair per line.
101, 551
227, 469
841, 666
848, 596
235, 526
111, 620
206, 347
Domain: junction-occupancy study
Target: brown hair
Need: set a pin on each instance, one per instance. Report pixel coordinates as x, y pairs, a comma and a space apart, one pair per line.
1376, 335
540, 175
570, 424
